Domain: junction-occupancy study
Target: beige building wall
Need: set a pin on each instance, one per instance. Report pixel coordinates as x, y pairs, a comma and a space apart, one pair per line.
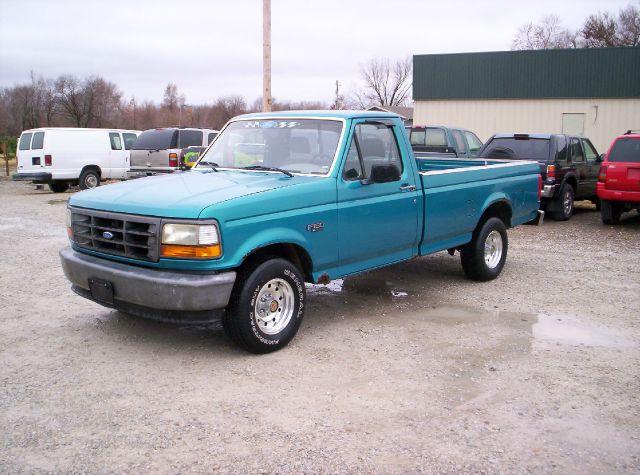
601, 120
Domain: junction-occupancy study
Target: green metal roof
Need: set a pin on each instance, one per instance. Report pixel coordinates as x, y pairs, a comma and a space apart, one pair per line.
567, 73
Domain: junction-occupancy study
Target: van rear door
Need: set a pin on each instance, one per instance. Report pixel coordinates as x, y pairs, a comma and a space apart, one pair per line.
30, 152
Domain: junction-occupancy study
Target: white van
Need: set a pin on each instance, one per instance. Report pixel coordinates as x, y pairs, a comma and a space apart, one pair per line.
61, 156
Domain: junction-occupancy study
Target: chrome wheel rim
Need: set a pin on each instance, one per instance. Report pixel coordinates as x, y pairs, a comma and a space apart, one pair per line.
274, 306
567, 203
91, 181
493, 249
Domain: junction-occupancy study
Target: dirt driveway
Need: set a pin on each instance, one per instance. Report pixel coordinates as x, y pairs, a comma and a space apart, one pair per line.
411, 368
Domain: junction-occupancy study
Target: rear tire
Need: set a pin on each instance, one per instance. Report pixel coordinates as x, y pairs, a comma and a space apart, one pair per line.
484, 257
266, 308
563, 207
89, 179
59, 186
610, 212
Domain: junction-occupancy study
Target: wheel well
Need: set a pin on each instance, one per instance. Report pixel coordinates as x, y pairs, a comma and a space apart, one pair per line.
297, 255
573, 182
500, 210
92, 167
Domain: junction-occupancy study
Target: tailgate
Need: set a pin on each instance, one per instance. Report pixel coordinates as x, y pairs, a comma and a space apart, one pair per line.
149, 158
623, 177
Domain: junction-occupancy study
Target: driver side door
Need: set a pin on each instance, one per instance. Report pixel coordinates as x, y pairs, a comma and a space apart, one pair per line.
377, 222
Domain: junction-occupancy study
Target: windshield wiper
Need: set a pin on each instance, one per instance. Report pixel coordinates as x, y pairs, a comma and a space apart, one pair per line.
267, 169
213, 165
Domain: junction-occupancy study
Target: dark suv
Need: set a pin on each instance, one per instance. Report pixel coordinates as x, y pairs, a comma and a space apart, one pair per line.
569, 166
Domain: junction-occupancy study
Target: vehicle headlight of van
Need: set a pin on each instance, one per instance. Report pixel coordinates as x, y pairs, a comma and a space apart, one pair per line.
190, 241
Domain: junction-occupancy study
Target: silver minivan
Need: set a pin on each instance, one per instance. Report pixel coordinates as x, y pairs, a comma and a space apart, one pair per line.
158, 150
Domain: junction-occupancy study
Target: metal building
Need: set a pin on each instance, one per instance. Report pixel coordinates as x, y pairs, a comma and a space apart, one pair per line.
594, 92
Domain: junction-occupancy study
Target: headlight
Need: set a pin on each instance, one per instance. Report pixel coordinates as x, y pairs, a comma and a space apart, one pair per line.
189, 241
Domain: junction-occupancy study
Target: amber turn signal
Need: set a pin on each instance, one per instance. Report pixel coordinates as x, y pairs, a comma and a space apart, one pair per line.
190, 252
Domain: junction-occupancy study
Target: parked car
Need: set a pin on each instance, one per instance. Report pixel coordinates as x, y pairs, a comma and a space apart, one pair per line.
61, 156
568, 164
280, 199
619, 178
158, 150
440, 141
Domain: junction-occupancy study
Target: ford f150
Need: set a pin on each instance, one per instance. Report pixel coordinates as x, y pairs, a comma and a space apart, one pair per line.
281, 199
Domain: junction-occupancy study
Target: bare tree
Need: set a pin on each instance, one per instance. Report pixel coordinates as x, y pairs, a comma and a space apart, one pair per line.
600, 31
386, 83
629, 26
548, 33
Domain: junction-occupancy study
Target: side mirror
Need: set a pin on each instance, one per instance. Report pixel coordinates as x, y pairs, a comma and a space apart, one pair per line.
384, 174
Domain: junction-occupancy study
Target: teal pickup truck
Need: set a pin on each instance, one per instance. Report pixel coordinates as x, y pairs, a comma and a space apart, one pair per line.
280, 199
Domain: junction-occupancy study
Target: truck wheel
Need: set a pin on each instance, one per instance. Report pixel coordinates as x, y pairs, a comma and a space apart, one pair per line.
564, 204
59, 186
484, 257
89, 179
610, 212
266, 309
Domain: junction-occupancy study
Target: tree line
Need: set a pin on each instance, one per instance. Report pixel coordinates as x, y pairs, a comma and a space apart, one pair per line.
599, 30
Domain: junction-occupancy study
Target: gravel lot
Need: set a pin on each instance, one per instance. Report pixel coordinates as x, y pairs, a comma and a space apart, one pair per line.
411, 368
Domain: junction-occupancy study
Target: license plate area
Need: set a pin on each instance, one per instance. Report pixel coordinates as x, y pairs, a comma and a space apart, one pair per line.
101, 290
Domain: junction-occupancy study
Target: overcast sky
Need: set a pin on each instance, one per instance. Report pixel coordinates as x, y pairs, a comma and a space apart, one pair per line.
214, 48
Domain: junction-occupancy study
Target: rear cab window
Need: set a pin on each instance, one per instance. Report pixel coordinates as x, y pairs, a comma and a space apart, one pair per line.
625, 149
25, 141
515, 148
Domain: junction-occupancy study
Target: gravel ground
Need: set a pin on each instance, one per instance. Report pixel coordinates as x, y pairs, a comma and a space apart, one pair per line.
410, 368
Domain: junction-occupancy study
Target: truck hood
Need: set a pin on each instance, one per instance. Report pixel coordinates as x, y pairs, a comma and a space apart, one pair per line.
181, 195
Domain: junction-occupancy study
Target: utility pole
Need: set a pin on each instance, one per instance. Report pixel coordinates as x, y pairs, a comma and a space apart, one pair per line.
266, 56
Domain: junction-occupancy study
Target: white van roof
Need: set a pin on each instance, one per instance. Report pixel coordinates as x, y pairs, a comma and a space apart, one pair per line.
44, 129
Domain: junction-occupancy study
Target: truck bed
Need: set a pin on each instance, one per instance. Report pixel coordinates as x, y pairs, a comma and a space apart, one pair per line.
458, 190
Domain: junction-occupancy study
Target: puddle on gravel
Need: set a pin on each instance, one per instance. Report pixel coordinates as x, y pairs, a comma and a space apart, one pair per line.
573, 332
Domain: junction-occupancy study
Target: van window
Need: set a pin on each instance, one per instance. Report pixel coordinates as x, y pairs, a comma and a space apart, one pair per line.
156, 139
25, 141
38, 141
128, 140
189, 138
116, 141
212, 136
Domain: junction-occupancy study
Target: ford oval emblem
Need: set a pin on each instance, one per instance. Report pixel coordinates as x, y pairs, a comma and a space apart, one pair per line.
107, 235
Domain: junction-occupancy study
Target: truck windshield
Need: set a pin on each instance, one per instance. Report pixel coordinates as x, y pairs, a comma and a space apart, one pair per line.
625, 150
156, 139
294, 145
517, 149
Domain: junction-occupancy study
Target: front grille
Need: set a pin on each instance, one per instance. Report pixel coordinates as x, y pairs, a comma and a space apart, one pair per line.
119, 234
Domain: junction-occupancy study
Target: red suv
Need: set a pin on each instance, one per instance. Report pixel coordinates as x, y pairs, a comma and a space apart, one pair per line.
619, 178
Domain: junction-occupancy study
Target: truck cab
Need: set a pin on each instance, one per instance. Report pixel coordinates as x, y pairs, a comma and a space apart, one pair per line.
441, 141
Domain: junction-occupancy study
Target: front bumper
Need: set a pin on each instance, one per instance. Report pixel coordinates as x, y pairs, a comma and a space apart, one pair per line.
160, 294
35, 177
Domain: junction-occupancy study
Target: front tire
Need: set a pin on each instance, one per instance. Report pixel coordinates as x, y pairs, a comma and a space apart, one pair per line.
89, 179
610, 212
484, 257
564, 204
59, 186
267, 306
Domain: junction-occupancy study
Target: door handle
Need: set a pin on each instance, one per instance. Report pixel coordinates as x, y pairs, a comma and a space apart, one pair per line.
406, 187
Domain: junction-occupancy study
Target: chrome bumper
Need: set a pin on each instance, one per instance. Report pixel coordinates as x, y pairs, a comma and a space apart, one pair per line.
548, 191
145, 289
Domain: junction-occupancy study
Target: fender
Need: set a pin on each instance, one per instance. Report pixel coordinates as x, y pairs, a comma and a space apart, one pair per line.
267, 237
493, 198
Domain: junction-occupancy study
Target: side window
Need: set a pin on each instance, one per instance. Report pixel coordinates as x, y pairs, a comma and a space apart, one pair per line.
189, 138
25, 141
38, 141
460, 145
212, 136
352, 166
116, 141
589, 152
378, 146
474, 142
576, 151
128, 140
562, 147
